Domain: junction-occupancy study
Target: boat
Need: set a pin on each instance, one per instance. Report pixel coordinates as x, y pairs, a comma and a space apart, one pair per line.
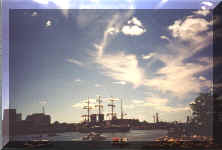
92, 136
119, 140
38, 144
96, 122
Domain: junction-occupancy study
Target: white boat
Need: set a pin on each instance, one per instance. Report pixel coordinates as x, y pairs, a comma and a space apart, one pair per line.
92, 136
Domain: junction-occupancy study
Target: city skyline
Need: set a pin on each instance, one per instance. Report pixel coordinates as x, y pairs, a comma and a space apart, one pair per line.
153, 62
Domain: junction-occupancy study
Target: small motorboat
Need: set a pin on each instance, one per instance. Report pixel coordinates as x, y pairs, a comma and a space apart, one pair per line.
119, 140
37, 144
92, 136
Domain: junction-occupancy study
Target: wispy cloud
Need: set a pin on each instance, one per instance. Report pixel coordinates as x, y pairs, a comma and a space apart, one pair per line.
43, 103
164, 37
64, 5
160, 4
202, 12
83, 103
98, 85
74, 61
148, 56
112, 30
78, 80
135, 21
122, 67
95, 1
42, 1
202, 78
207, 3
120, 82
176, 76
156, 103
137, 101
119, 66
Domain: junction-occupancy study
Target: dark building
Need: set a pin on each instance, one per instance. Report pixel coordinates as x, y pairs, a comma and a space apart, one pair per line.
18, 117
40, 122
9, 124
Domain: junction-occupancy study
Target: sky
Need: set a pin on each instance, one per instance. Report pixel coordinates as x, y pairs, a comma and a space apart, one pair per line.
152, 63
155, 61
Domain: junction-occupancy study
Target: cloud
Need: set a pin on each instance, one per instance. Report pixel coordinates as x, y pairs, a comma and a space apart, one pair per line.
43, 103
83, 103
148, 56
34, 13
74, 61
203, 7
116, 22
172, 109
135, 21
64, 5
98, 85
160, 4
122, 67
42, 1
205, 60
112, 30
196, 32
78, 80
134, 27
189, 29
137, 101
95, 1
155, 103
120, 82
202, 78
164, 37
160, 104
207, 3
48, 23
178, 76
133, 30
118, 66
202, 12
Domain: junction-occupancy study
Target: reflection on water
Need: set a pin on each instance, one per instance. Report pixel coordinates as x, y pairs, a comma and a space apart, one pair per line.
133, 135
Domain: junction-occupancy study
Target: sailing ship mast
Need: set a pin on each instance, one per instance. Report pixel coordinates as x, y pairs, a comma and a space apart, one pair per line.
88, 109
112, 105
121, 109
154, 118
100, 106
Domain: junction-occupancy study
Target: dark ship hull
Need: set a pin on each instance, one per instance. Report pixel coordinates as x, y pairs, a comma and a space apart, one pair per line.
104, 129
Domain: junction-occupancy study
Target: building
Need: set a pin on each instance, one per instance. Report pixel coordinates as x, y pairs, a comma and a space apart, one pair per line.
9, 125
39, 122
18, 117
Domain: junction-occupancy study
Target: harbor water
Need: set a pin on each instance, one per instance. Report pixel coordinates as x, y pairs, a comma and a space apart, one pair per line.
133, 135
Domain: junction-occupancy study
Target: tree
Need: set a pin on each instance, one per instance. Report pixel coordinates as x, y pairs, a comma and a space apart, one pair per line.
202, 121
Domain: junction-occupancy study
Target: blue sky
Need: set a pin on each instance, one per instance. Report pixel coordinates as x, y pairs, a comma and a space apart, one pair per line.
154, 61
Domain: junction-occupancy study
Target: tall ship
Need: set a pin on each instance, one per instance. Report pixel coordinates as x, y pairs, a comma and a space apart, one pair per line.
97, 123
